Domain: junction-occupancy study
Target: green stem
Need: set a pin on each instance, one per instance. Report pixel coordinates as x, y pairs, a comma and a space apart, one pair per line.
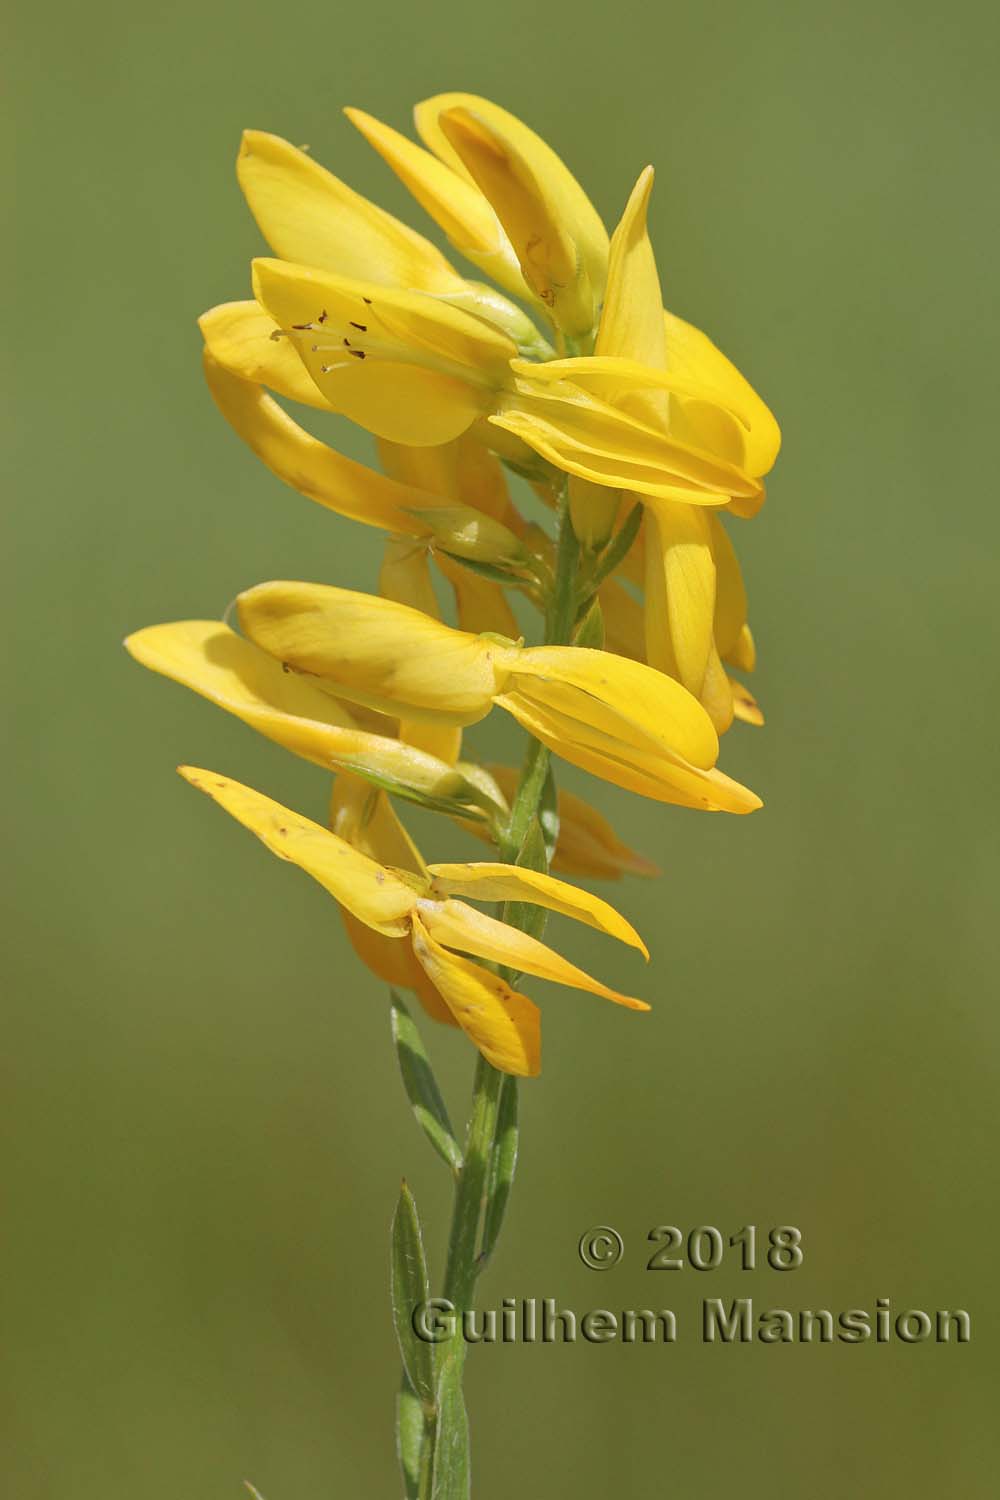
463, 1264
463, 1243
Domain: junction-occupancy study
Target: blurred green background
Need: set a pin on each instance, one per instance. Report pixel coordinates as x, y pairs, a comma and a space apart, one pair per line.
205, 1127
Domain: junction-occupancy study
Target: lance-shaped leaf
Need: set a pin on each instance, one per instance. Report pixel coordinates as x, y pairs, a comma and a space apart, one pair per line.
421, 1085
502, 1165
410, 1436
451, 1476
410, 1290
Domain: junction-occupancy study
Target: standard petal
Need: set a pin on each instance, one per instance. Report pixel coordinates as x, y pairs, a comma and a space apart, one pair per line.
631, 323
308, 215
505, 1026
373, 894
375, 651
457, 925
556, 232
309, 466
486, 881
449, 197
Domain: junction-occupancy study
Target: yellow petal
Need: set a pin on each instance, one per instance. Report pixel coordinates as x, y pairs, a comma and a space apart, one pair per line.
505, 1026
374, 895
376, 652
499, 882
444, 741
730, 593
393, 961
745, 705
309, 466
632, 316
558, 237
606, 444
481, 605
624, 699
452, 202
464, 471
220, 665
680, 592
413, 369
364, 817
308, 215
660, 776
716, 693
239, 339
624, 630
692, 355
405, 575
744, 653
456, 925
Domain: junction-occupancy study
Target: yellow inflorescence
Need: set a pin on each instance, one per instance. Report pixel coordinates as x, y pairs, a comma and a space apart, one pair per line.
570, 373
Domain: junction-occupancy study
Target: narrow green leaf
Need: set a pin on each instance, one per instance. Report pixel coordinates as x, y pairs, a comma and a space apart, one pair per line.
503, 1162
421, 1085
409, 1437
451, 1478
495, 572
409, 1287
468, 801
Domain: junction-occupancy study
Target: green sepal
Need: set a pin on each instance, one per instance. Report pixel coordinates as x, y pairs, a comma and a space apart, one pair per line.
468, 801
503, 1162
410, 1289
619, 547
410, 1432
590, 631
450, 1476
421, 1086
516, 574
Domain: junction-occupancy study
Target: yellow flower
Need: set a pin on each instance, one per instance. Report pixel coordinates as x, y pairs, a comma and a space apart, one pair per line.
361, 314
220, 665
617, 718
427, 910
